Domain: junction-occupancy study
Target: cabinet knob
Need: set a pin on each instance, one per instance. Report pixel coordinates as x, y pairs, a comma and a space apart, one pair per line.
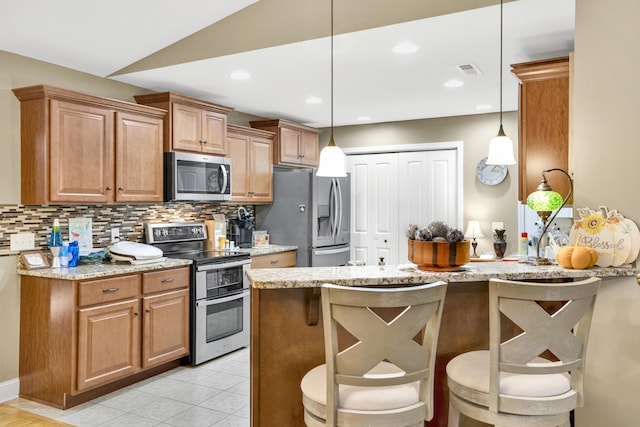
204, 142
109, 188
121, 188
135, 313
147, 310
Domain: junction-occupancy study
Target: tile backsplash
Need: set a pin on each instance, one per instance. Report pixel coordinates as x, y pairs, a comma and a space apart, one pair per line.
130, 219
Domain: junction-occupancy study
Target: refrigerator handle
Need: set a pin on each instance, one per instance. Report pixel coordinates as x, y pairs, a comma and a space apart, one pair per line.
335, 207
339, 208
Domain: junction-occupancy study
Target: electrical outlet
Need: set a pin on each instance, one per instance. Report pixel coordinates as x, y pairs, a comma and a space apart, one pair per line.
22, 242
115, 235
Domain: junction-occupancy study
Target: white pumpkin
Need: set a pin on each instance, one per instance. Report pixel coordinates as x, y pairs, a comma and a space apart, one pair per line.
606, 232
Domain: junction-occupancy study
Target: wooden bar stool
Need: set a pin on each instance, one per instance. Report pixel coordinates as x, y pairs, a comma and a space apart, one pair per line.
512, 383
386, 377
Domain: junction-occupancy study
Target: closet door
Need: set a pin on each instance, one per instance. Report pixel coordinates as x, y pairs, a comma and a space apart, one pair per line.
374, 207
389, 191
428, 189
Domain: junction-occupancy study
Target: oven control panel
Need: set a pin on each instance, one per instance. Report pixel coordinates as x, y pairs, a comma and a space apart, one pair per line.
176, 232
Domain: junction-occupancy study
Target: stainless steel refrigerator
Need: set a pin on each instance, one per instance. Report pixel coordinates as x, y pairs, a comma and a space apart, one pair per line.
311, 213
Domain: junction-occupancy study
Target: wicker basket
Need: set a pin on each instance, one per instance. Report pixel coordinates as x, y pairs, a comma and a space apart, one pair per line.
439, 256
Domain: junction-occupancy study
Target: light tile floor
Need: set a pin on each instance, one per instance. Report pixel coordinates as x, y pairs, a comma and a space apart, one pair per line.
215, 393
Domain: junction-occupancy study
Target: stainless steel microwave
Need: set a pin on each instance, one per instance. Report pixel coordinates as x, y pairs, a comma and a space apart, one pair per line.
196, 177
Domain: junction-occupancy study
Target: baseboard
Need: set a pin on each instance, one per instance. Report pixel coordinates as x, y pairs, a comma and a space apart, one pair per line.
9, 390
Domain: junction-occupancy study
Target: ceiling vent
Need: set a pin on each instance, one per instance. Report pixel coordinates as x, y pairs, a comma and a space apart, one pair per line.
469, 69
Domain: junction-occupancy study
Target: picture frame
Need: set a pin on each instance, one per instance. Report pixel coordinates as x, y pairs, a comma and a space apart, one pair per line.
33, 260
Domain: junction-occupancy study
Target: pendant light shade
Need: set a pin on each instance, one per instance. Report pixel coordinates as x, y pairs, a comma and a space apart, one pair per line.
501, 146
501, 150
332, 159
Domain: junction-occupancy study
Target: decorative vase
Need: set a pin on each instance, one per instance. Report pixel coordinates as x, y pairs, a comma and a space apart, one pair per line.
499, 244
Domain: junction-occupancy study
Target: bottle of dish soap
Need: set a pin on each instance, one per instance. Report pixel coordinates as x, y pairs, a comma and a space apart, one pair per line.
523, 248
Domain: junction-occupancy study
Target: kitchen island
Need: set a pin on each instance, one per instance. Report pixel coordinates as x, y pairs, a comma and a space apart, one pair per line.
287, 336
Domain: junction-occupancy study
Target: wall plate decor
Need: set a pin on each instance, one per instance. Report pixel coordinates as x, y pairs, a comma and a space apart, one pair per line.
490, 174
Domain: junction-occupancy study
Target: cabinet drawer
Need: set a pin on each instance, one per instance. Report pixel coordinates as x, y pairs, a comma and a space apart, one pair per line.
158, 281
278, 260
105, 290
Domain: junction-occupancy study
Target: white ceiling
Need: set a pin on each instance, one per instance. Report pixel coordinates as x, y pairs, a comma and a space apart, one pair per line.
369, 79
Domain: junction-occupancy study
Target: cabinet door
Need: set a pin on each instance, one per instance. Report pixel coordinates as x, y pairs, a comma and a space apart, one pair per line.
289, 147
214, 133
108, 342
138, 158
166, 327
261, 167
240, 168
309, 149
187, 127
81, 154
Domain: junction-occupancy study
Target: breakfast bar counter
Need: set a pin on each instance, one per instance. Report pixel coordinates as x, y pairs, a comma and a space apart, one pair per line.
287, 336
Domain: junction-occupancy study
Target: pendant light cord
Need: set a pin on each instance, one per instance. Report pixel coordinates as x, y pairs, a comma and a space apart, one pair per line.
331, 69
500, 61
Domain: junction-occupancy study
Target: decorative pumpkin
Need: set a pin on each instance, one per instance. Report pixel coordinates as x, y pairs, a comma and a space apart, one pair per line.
615, 238
576, 257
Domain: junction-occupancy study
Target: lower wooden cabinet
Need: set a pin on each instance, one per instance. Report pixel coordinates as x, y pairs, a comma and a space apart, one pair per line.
274, 260
108, 342
78, 338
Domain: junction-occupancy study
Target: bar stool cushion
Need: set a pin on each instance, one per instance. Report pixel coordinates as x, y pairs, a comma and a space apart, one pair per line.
471, 370
314, 386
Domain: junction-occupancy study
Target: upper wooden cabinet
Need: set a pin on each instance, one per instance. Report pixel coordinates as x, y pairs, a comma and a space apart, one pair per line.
544, 124
191, 124
251, 153
294, 145
77, 148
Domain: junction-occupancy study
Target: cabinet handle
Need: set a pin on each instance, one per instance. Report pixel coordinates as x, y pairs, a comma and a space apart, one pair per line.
121, 188
110, 291
109, 188
204, 142
147, 310
274, 262
135, 313
169, 280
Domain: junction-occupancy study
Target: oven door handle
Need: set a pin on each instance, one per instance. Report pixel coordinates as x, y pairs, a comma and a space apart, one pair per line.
205, 303
222, 265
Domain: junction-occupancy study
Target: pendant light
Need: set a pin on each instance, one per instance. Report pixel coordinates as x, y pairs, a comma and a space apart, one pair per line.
501, 146
332, 158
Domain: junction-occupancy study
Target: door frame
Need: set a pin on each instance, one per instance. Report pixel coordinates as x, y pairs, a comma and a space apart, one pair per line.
457, 146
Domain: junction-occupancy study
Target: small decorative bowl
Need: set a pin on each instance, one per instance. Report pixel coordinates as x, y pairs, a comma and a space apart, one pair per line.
439, 256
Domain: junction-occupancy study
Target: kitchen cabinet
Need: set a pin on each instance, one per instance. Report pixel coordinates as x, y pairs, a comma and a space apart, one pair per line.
83, 338
274, 260
191, 124
166, 316
78, 148
543, 123
294, 144
251, 153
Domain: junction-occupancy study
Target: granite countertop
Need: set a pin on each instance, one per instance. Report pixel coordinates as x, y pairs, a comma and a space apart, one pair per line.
279, 278
92, 271
271, 249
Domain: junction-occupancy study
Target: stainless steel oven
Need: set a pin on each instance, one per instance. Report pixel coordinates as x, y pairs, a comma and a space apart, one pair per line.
220, 292
222, 309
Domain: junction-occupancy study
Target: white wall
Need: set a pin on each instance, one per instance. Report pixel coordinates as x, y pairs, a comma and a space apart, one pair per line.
606, 172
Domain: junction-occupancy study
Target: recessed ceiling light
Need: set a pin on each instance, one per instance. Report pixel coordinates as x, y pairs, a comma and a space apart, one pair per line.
240, 75
363, 118
313, 100
483, 107
405, 47
453, 83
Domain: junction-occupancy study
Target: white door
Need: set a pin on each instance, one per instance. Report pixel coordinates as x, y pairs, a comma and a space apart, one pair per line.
428, 189
374, 201
389, 191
